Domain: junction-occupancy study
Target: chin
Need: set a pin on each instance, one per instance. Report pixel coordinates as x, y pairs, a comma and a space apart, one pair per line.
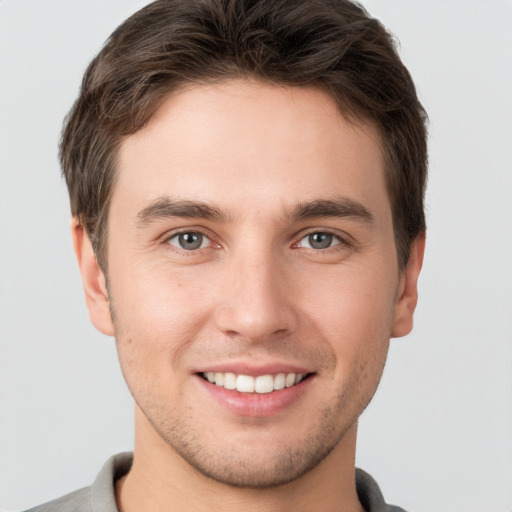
246, 471
258, 462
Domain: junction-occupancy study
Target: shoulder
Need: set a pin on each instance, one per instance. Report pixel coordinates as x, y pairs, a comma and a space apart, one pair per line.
99, 497
77, 501
370, 495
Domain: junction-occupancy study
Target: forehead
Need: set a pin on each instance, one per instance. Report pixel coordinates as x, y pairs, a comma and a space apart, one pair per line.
245, 142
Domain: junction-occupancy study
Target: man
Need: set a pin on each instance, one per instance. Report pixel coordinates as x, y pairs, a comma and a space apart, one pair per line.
246, 181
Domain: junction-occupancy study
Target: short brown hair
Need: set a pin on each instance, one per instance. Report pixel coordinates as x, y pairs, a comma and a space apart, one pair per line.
331, 44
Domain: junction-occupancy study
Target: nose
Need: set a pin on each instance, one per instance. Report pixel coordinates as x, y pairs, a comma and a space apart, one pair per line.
256, 298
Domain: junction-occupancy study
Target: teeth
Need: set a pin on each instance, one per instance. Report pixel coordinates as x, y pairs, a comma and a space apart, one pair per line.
290, 380
229, 381
279, 381
245, 384
264, 384
249, 384
219, 379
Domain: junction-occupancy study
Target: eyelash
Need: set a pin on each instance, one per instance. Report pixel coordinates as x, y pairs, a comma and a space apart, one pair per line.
337, 239
341, 242
189, 252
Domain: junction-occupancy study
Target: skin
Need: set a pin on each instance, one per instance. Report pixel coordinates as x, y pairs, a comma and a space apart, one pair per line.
257, 293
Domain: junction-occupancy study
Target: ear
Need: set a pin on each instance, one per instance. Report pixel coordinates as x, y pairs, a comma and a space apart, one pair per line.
93, 280
407, 296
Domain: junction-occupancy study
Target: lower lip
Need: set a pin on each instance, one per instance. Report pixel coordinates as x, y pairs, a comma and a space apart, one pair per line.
256, 404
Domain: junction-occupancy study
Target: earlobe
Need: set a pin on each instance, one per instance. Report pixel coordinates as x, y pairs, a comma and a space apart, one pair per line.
93, 280
408, 290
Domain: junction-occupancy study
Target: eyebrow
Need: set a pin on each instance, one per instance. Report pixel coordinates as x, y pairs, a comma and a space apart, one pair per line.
337, 208
165, 207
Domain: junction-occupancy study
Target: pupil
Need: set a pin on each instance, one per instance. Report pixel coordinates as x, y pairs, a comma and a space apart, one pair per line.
190, 241
320, 240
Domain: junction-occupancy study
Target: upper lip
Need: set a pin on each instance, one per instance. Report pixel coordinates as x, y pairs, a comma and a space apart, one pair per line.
249, 368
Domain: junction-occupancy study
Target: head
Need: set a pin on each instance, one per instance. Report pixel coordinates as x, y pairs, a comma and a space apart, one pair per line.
250, 176
332, 45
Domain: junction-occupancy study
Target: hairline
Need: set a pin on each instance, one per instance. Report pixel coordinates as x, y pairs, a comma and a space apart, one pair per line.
352, 114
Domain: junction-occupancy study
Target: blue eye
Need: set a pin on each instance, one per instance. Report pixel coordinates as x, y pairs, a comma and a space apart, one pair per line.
319, 240
189, 241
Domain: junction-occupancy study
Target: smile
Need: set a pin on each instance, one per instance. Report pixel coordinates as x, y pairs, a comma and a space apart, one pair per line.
249, 384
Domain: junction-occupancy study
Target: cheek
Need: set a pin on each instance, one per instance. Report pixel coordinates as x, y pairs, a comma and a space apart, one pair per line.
157, 315
354, 314
358, 305
161, 300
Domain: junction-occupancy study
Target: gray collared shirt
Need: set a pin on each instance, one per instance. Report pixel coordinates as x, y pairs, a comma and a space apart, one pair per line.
101, 496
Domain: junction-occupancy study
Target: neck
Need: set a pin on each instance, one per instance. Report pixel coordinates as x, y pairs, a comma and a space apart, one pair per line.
161, 480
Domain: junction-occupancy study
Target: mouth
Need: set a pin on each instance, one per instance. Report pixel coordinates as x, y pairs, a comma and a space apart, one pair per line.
260, 384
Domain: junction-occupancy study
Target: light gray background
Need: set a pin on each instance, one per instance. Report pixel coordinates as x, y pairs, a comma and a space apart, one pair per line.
438, 436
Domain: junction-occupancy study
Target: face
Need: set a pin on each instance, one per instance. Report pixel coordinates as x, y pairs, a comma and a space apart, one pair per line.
253, 278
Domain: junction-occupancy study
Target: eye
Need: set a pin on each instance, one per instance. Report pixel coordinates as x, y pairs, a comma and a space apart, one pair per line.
319, 240
189, 241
